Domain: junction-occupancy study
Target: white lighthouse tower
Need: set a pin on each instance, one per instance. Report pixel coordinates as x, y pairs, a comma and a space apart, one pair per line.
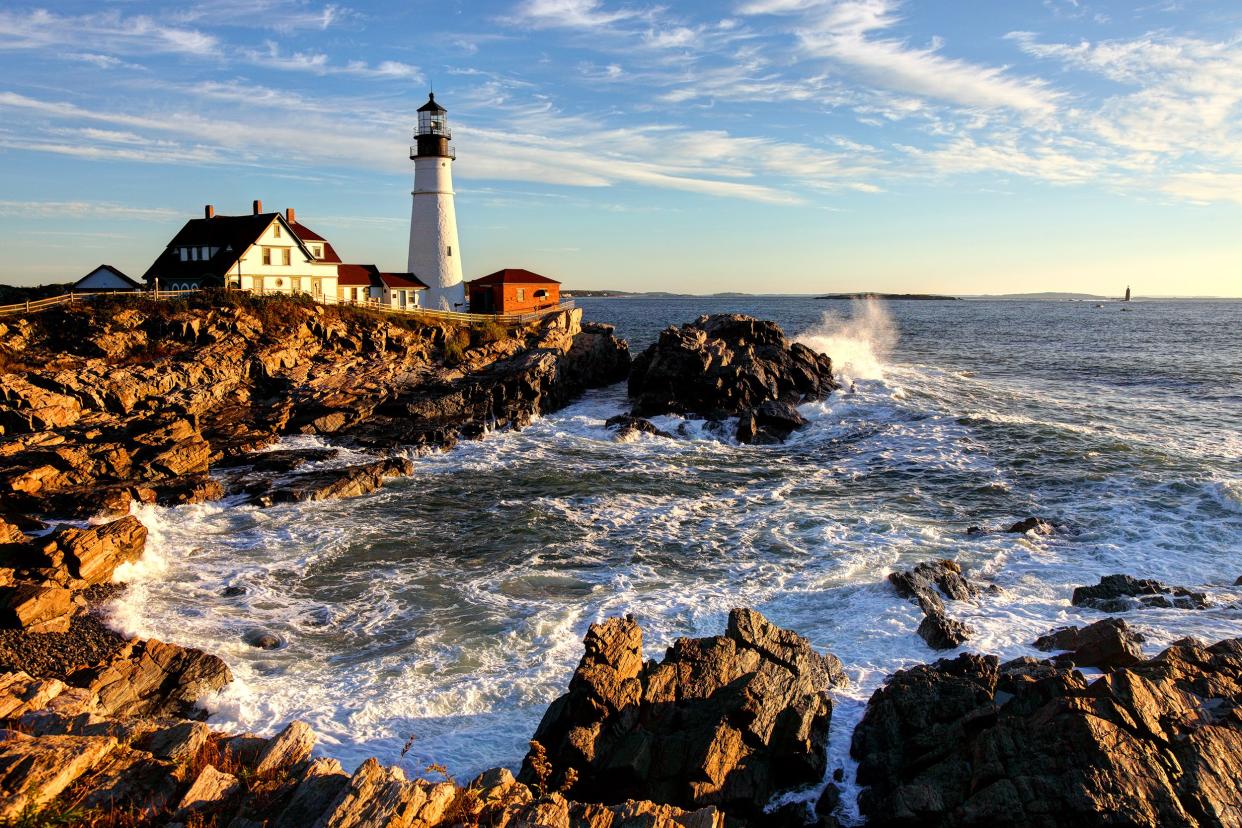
435, 256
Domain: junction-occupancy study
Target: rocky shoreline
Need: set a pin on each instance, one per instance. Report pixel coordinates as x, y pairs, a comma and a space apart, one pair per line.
109, 405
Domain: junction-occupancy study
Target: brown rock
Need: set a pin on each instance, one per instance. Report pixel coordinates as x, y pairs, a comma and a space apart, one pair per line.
1106, 644
292, 745
725, 721
210, 790
334, 484
151, 678
21, 694
319, 789
971, 742
925, 584
1119, 593
33, 772
1033, 526
178, 744
378, 796
35, 608
92, 555
11, 533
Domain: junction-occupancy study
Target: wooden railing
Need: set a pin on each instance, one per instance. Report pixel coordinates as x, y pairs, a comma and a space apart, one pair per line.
36, 305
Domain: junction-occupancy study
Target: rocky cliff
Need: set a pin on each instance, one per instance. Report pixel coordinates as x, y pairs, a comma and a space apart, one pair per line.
106, 403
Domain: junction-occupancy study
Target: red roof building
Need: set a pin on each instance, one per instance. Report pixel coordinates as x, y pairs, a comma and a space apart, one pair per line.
512, 290
358, 283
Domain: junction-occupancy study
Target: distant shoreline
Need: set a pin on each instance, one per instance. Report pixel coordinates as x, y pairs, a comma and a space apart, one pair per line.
1000, 297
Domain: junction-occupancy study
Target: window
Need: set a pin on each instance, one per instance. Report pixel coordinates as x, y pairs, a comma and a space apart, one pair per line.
194, 254
284, 256
296, 281
185, 254
276, 230
521, 294
267, 255
318, 251
204, 255
450, 250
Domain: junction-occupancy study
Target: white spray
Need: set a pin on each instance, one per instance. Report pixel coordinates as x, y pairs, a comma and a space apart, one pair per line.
859, 344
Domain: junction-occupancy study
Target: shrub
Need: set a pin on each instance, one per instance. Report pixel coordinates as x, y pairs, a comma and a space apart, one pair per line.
485, 333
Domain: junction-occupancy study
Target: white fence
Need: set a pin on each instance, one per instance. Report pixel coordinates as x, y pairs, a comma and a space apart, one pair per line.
36, 305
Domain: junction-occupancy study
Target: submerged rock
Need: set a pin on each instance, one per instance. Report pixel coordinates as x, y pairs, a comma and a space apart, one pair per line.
1033, 526
1106, 644
924, 584
728, 365
627, 424
1119, 593
726, 721
335, 484
970, 742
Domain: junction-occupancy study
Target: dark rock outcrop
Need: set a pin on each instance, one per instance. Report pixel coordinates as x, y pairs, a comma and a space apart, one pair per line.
725, 721
730, 365
972, 742
627, 425
1106, 644
1032, 525
1119, 593
924, 585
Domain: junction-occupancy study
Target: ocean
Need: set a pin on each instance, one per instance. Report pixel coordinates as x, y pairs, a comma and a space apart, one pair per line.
446, 611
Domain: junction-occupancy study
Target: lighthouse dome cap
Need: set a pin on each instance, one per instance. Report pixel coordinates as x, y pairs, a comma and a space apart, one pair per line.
431, 105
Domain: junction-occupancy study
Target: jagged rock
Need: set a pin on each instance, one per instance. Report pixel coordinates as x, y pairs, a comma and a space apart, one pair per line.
724, 365
322, 785
132, 780
627, 425
92, 555
34, 771
292, 745
179, 743
11, 532
1032, 525
35, 608
725, 721
768, 423
1106, 644
971, 742
210, 789
924, 584
21, 694
1119, 593
377, 796
151, 678
334, 484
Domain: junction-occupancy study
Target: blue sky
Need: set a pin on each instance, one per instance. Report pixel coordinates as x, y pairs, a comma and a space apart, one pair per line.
756, 145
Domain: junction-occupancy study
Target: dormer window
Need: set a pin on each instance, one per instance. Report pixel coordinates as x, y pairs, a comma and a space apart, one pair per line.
185, 253
276, 230
318, 251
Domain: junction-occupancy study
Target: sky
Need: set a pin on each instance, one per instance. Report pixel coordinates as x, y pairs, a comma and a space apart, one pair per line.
765, 146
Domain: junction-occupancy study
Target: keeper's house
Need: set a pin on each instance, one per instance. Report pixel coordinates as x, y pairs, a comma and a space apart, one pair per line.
512, 290
357, 284
261, 253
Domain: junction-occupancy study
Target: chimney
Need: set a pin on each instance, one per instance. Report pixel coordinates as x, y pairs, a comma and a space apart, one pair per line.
290, 215
258, 206
209, 212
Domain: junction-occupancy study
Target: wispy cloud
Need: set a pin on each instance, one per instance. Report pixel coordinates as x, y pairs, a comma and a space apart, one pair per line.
83, 209
571, 14
105, 31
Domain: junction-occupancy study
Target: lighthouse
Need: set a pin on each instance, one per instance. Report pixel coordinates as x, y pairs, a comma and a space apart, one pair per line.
435, 255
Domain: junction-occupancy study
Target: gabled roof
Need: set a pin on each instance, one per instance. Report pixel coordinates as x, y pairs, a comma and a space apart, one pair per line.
514, 276
111, 270
356, 275
232, 235
306, 234
402, 280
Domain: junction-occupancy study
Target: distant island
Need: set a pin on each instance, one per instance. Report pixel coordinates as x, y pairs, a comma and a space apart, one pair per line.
920, 297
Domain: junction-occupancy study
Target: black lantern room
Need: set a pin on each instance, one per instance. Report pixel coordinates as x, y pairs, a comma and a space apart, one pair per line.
433, 135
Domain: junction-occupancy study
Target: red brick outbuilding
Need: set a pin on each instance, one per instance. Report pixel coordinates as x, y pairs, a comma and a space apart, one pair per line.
512, 290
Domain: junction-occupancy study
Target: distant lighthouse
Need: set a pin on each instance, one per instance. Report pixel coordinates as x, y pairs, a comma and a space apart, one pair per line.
435, 255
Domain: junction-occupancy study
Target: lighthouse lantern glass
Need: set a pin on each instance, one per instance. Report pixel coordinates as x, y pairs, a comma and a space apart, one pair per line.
433, 123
